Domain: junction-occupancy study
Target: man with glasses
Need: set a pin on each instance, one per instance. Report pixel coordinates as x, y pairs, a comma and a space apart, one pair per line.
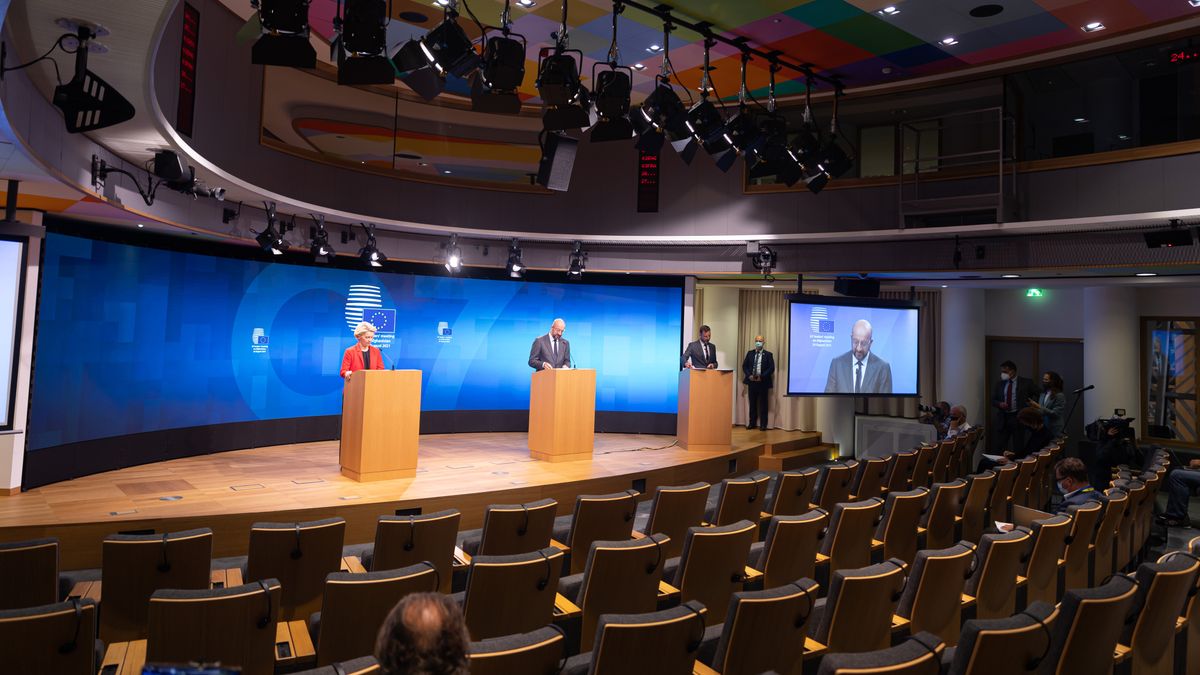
858, 371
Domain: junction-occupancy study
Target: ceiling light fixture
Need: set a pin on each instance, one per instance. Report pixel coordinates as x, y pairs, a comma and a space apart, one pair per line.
321, 251
578, 263
949, 41
1151, 274
612, 91
1010, 276
703, 119
515, 265
494, 86
446, 50
1081, 120
566, 103
284, 37
369, 253
1093, 27
526, 3
662, 116
1194, 3
270, 239
890, 10
452, 255
361, 43
740, 131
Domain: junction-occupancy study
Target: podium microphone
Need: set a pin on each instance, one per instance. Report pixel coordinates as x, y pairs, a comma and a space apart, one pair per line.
384, 355
1083, 389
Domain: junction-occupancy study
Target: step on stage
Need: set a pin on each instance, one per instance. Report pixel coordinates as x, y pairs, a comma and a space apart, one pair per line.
230, 490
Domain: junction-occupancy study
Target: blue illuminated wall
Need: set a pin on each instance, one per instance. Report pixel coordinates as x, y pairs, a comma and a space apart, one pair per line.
133, 339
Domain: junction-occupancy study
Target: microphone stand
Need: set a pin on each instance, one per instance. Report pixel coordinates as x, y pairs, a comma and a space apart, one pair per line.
1071, 414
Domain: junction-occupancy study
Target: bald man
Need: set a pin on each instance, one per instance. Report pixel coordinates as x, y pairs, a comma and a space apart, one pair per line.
858, 371
758, 370
551, 350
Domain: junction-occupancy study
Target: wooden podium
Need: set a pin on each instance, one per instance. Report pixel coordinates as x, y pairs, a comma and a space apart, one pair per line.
705, 419
562, 415
381, 419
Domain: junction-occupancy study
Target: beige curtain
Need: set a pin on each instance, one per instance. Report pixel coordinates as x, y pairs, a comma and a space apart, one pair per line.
929, 333
697, 314
766, 313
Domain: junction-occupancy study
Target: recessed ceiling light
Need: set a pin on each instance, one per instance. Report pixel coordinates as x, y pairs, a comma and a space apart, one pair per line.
986, 11
639, 66
945, 286
1081, 120
1093, 27
1194, 3
654, 49
1154, 274
890, 10
1125, 137
525, 3
949, 41
442, 3
141, 224
445, 170
768, 285
1010, 276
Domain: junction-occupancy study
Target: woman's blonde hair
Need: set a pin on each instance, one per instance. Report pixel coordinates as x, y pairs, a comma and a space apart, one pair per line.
363, 327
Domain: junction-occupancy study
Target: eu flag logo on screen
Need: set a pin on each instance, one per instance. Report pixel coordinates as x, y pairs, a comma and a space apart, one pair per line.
825, 326
384, 320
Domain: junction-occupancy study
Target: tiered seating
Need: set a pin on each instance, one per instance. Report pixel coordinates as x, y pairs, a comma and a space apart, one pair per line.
403, 541
52, 638
28, 573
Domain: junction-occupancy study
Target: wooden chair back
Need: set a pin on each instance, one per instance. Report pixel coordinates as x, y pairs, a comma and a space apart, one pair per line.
922, 473
538, 652
620, 577
897, 530
299, 556
741, 499
942, 456
932, 599
848, 543
404, 541
600, 518
29, 573
764, 630
355, 606
868, 479
675, 509
790, 550
510, 594
833, 484
1084, 519
134, 566
509, 529
1001, 499
859, 606
234, 626
974, 510
940, 521
1024, 481
713, 564
1162, 594
993, 583
1002, 646
1104, 556
664, 642
1089, 624
1049, 543
901, 471
793, 492
53, 638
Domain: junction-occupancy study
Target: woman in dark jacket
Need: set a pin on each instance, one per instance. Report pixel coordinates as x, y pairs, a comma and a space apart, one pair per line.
1052, 404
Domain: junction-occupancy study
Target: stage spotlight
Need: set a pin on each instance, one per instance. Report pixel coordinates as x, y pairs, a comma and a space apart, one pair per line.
270, 240
566, 102
762, 257
321, 251
741, 133
361, 43
452, 255
665, 114
284, 38
515, 266
494, 87
578, 263
445, 50
613, 87
369, 253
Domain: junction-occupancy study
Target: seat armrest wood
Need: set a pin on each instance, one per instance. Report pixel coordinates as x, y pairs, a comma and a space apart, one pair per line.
751, 575
461, 558
353, 563
293, 646
637, 535
667, 592
226, 578
86, 589
564, 608
560, 546
124, 658
699, 668
813, 649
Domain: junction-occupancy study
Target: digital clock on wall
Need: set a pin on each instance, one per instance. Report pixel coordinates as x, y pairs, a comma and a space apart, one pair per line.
1185, 56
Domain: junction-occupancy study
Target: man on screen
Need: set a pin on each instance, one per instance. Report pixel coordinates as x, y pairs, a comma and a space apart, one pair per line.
759, 370
700, 354
551, 351
858, 371
361, 355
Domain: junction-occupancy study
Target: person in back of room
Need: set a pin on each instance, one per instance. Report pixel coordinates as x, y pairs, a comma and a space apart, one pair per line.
758, 369
1008, 397
551, 351
859, 371
1052, 403
1180, 485
362, 356
957, 422
700, 354
1037, 436
1117, 446
1071, 479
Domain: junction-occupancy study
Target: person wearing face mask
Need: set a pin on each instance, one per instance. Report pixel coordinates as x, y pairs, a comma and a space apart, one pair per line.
1071, 478
958, 422
700, 354
1051, 403
1008, 398
758, 369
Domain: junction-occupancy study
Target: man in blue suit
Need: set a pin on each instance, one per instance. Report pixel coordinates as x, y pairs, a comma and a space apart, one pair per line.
758, 369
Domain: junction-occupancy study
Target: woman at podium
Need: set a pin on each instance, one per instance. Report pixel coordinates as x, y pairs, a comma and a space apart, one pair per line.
361, 355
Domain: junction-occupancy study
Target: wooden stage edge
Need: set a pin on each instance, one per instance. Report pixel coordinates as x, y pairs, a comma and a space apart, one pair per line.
229, 491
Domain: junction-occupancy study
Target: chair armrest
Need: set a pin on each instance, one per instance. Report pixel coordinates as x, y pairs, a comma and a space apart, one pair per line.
763, 515
1121, 654
352, 563
564, 608
667, 591
900, 624
751, 575
822, 559
86, 589
461, 557
699, 668
226, 578
967, 601
293, 646
124, 658
813, 649
637, 535
560, 546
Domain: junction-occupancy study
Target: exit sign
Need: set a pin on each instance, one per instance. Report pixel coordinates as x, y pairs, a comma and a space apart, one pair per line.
1034, 293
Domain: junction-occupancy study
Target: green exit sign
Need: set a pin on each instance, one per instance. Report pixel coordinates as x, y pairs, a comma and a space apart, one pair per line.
1034, 293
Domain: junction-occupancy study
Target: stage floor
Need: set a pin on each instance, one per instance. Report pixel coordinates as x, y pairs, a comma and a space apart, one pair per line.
228, 491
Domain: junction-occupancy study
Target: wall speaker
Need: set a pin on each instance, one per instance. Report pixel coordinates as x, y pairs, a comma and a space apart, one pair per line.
857, 288
558, 160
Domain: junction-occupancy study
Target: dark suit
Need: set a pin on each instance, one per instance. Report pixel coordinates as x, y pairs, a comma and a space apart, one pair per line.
876, 380
1007, 430
695, 352
1035, 440
758, 390
1079, 498
1053, 408
542, 352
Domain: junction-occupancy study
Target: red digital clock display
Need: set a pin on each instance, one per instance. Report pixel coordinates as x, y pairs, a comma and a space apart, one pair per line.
647, 192
189, 47
1184, 56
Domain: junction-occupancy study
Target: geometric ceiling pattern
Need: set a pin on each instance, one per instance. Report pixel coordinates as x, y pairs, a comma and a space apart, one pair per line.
853, 40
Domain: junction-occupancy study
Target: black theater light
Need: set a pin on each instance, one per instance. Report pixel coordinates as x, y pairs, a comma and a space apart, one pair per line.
321, 251
369, 253
663, 114
270, 240
613, 88
515, 265
578, 264
566, 103
703, 119
284, 39
361, 43
425, 62
494, 87
452, 255
741, 131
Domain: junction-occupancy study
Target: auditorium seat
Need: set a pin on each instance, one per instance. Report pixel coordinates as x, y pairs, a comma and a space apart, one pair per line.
833, 483
596, 518
657, 643
57, 638
356, 605
510, 594
739, 499
1163, 589
1123, 552
300, 556
1104, 556
793, 493
366, 665
856, 614
849, 543
996, 576
1049, 544
922, 473
932, 599
509, 529
235, 626
920, 654
538, 652
974, 506
964, 452
1004, 646
134, 566
1023, 483
674, 509
1084, 519
28, 573
1038, 496
790, 549
942, 456
1190, 650
1089, 624
620, 577
941, 518
713, 564
868, 478
1000, 503
763, 630
401, 541
899, 477
901, 523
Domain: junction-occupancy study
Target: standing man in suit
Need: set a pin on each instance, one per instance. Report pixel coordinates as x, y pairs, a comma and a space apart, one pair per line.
700, 354
759, 370
858, 371
551, 351
1008, 398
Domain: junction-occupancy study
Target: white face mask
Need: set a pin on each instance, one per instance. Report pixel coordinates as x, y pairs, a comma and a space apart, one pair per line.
1061, 489
1005, 376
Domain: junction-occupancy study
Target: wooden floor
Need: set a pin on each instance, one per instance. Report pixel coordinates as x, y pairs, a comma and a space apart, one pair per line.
229, 491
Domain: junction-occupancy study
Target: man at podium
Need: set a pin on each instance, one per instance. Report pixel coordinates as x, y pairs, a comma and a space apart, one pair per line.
551, 351
361, 355
700, 354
